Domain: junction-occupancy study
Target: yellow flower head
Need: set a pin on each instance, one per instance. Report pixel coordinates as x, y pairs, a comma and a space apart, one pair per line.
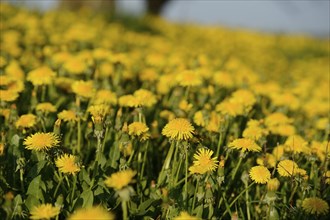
75, 65
46, 107
105, 97
189, 78
273, 184
260, 174
315, 206
137, 128
268, 160
287, 168
199, 118
254, 130
178, 129
99, 110
145, 97
67, 115
128, 101
41, 76
67, 164
203, 162
44, 211
95, 213
185, 216
120, 179
8, 95
41, 141
82, 88
26, 121
297, 144
245, 144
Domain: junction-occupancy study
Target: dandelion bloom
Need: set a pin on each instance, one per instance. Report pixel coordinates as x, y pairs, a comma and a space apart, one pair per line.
137, 128
128, 101
95, 212
245, 144
287, 168
67, 115
46, 107
203, 161
120, 179
189, 78
105, 97
41, 141
8, 95
44, 211
145, 97
297, 144
98, 110
199, 118
315, 206
178, 129
185, 216
273, 184
260, 174
26, 121
254, 130
41, 76
67, 164
83, 88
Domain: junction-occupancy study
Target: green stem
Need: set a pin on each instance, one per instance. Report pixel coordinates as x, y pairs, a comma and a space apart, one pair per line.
166, 163
182, 180
236, 168
219, 143
194, 199
144, 160
178, 172
247, 202
78, 136
124, 208
58, 185
186, 176
43, 93
74, 187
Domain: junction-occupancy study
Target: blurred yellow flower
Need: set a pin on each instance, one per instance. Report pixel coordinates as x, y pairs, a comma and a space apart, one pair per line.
8, 95
46, 107
244, 144
178, 129
105, 97
189, 78
273, 184
137, 128
95, 213
185, 216
82, 88
315, 206
26, 121
120, 179
67, 115
67, 164
287, 168
41, 76
41, 141
44, 211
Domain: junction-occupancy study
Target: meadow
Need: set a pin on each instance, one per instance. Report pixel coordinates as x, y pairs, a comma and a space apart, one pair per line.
109, 118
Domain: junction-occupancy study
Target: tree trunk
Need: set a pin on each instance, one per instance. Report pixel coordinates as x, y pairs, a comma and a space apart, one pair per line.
155, 7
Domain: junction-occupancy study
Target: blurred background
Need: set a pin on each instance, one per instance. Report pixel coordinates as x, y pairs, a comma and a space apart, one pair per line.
280, 16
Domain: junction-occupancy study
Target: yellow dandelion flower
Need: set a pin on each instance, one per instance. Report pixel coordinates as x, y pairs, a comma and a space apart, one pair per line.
105, 97
322, 123
44, 211
185, 106
214, 122
278, 152
2, 148
178, 129
41, 141
204, 162
120, 179
26, 121
145, 97
320, 149
287, 168
46, 107
227, 107
268, 160
75, 65
95, 213
185, 216
82, 88
189, 78
99, 110
276, 119
168, 115
199, 118
67, 164
67, 115
260, 174
297, 144
128, 101
254, 130
137, 128
8, 95
273, 184
5, 113
244, 144
315, 206
41, 76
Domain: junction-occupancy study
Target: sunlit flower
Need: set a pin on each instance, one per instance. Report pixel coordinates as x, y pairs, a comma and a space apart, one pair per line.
315, 206
297, 144
67, 115
137, 128
41, 141
26, 121
96, 212
120, 179
178, 129
189, 78
287, 168
105, 97
260, 174
98, 110
44, 211
41, 76
46, 107
82, 88
67, 164
244, 144
268, 160
254, 130
199, 118
75, 65
185, 216
273, 184
8, 95
203, 162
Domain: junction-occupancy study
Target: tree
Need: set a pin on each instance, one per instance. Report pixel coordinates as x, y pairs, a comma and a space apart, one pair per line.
155, 7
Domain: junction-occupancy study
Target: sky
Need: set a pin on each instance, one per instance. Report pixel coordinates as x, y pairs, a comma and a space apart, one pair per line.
288, 16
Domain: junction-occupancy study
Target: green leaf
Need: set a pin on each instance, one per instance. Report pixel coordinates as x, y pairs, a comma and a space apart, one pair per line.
88, 198
35, 188
143, 208
31, 201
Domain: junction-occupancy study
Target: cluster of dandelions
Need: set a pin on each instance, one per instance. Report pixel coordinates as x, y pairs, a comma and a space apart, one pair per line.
101, 120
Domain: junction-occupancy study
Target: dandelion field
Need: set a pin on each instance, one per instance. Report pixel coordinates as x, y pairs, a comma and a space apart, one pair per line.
112, 119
